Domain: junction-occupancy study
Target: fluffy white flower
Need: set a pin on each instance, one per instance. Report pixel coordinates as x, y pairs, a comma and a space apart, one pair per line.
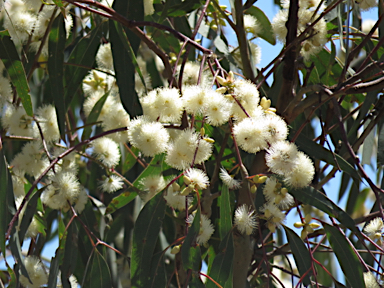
374, 229
251, 134
150, 137
107, 151
47, 118
228, 180
191, 75
20, 25
175, 200
104, 57
245, 219
197, 178
206, 228
274, 216
42, 21
370, 280
17, 122
182, 149
247, 95
251, 24
163, 104
32, 159
148, 7
33, 228
152, 185
36, 272
255, 52
277, 128
64, 187
282, 157
111, 184
194, 99
218, 108
81, 201
98, 83
5, 90
302, 174
317, 36
366, 4
115, 118
274, 193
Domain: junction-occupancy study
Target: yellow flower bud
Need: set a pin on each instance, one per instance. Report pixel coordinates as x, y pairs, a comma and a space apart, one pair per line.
284, 191
298, 225
221, 90
186, 190
175, 249
209, 140
308, 218
221, 80
253, 189
175, 186
262, 179
314, 225
186, 180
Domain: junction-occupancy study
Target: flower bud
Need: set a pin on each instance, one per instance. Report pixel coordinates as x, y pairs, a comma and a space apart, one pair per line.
186, 180
253, 189
221, 90
314, 225
175, 249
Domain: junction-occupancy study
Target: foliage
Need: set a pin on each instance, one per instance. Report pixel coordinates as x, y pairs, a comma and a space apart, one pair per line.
144, 137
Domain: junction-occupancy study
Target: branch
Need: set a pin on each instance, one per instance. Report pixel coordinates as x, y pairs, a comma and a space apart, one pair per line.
289, 68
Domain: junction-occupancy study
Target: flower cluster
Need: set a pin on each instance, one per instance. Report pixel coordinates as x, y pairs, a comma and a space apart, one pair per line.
316, 37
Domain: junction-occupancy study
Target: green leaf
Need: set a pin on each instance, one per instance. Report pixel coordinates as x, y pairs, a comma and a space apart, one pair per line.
130, 160
183, 8
5, 189
158, 272
266, 27
56, 45
125, 72
15, 69
30, 211
155, 167
145, 234
190, 253
348, 260
301, 254
225, 220
93, 116
317, 151
221, 45
380, 148
222, 265
82, 57
68, 262
313, 197
54, 268
127, 46
15, 245
100, 275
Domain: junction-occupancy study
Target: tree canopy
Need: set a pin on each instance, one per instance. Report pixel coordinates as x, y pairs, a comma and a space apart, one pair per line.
148, 140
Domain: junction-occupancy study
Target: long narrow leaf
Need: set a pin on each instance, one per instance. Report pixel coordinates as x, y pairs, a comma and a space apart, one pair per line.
348, 260
15, 69
145, 234
55, 65
300, 253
